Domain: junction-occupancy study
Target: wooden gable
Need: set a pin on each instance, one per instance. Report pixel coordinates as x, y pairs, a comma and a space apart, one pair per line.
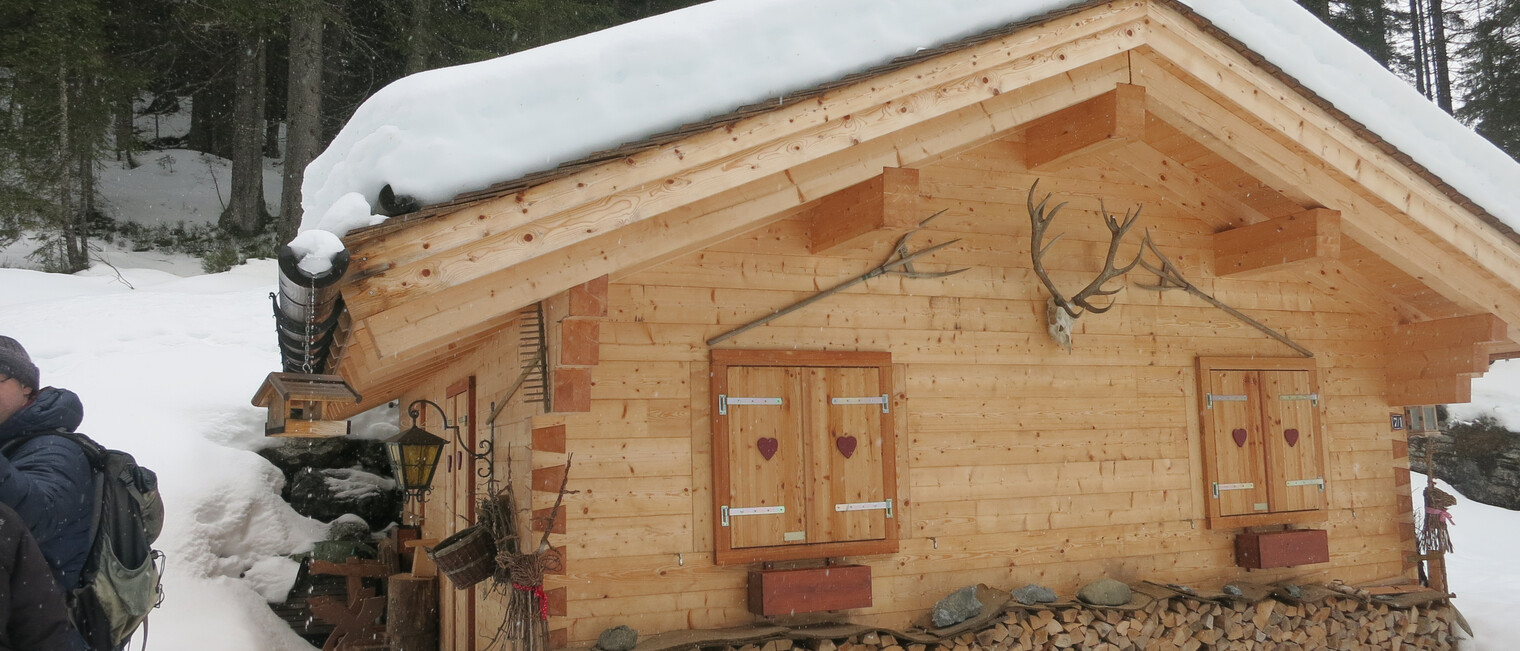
1214, 137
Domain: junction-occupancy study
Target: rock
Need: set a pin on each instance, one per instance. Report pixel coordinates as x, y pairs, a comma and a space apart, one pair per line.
327, 494
1034, 594
1293, 591
349, 527
1105, 592
618, 638
960, 606
1233, 591
297, 454
1481, 459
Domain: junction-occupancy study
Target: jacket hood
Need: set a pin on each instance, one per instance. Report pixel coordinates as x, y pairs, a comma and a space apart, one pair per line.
53, 409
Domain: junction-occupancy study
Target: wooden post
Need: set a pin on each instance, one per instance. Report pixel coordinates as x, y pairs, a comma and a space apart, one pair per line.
412, 613
1435, 560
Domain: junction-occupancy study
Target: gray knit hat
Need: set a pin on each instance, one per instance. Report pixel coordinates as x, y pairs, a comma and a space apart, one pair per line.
14, 362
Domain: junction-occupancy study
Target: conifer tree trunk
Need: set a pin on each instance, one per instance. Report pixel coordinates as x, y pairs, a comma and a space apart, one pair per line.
419, 38
1439, 56
245, 213
303, 110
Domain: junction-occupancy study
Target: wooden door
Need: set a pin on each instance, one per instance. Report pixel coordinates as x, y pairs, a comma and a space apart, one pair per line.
765, 457
845, 431
1296, 481
460, 405
1238, 443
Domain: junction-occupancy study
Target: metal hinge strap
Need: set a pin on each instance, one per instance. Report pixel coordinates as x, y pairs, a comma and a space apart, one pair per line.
1218, 487
884, 505
1211, 398
869, 400
724, 401
1313, 398
726, 512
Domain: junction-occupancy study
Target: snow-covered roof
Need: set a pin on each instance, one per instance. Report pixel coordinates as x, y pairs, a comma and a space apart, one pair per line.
437, 134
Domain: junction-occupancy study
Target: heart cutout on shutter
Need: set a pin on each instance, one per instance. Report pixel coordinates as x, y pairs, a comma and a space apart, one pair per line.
1240, 436
1292, 437
767, 447
846, 445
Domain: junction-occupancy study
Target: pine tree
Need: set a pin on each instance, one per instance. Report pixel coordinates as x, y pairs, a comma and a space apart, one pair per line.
1492, 76
56, 103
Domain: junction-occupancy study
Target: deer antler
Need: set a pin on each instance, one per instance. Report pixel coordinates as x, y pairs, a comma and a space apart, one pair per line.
1117, 229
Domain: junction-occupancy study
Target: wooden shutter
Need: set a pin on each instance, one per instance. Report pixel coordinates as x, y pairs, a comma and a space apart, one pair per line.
1236, 437
848, 497
1292, 439
754, 480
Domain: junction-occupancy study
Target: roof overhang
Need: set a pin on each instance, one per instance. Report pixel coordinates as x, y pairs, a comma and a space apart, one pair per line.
423, 289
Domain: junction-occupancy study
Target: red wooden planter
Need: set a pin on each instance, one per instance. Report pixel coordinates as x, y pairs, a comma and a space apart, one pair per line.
810, 590
1282, 548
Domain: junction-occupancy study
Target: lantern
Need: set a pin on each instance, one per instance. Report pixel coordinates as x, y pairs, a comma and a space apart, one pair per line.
414, 457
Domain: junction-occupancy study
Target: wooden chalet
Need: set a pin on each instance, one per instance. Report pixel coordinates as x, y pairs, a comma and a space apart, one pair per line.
927, 426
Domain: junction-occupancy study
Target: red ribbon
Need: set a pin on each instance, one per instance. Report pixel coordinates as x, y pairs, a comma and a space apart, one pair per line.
1440, 514
538, 593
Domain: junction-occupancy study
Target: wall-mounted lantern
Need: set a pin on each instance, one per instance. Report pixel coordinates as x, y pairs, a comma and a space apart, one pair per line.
298, 404
414, 453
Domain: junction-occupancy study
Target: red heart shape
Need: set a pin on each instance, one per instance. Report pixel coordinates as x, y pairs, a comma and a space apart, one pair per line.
1292, 436
1240, 436
846, 445
767, 447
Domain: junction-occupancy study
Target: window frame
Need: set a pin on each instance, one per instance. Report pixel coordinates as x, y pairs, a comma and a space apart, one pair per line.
722, 359
1206, 366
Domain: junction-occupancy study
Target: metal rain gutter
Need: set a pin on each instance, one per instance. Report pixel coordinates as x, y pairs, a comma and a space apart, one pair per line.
306, 311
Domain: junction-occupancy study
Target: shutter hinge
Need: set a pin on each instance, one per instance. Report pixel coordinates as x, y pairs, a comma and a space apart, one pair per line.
1211, 398
1313, 398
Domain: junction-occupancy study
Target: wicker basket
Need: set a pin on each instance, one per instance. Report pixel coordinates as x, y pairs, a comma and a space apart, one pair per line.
467, 557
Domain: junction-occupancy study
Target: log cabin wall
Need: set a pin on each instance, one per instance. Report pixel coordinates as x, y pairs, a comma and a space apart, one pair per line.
1018, 462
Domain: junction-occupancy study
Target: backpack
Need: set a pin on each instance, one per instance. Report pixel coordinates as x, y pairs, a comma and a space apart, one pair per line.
120, 581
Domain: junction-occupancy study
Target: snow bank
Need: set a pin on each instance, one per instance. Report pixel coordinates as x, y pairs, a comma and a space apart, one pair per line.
166, 371
438, 133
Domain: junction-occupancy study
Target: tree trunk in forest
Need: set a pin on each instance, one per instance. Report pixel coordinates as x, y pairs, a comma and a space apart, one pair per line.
303, 111
245, 213
1439, 56
1417, 32
1320, 8
126, 133
419, 39
211, 127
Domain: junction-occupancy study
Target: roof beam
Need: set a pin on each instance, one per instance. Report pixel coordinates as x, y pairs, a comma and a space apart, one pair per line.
1105, 122
1286, 242
888, 202
1434, 362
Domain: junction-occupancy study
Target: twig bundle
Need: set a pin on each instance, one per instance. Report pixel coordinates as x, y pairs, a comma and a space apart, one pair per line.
519, 576
1433, 534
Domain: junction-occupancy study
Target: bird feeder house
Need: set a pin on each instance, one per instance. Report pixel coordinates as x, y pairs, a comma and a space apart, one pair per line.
298, 402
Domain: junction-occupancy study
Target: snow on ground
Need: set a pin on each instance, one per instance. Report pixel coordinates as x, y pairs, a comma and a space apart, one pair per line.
441, 132
174, 186
166, 371
1483, 570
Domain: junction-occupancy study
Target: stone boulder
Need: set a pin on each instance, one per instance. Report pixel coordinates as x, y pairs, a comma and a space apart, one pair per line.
618, 638
1105, 592
960, 606
1032, 594
1481, 459
326, 494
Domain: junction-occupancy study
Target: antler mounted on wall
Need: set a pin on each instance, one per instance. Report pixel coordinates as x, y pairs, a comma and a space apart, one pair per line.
1062, 311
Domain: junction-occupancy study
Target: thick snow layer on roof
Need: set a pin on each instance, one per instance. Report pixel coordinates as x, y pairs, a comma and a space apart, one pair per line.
436, 134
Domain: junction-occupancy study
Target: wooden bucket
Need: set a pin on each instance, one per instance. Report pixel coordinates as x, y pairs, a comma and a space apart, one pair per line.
467, 557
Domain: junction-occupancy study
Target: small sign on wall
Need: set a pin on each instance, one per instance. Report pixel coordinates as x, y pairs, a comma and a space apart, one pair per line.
1396, 421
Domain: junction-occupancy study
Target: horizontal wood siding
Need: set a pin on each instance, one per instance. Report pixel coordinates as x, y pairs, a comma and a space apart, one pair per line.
1019, 462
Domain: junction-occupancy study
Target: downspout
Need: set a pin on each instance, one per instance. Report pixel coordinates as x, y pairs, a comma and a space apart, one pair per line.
306, 311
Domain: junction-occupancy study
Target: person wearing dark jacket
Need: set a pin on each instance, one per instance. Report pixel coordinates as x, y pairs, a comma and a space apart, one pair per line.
33, 616
46, 479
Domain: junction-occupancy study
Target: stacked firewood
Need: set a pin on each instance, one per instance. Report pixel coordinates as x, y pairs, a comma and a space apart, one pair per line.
1178, 623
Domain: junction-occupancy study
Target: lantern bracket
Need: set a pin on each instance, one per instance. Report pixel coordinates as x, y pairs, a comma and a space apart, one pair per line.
485, 447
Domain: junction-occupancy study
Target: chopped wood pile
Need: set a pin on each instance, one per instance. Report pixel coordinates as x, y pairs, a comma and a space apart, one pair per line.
1159, 617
